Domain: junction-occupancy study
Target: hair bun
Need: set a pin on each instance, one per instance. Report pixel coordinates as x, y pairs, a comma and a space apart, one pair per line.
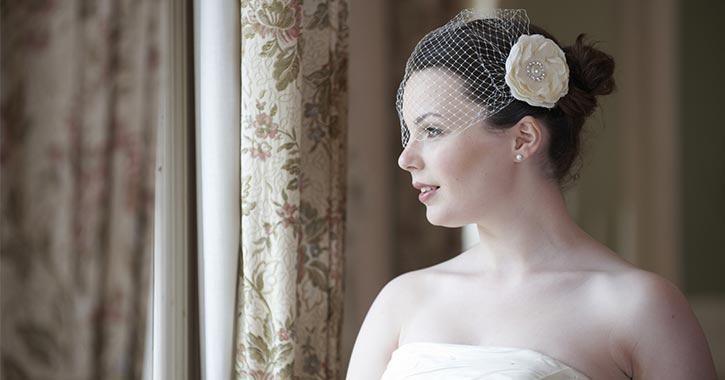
590, 75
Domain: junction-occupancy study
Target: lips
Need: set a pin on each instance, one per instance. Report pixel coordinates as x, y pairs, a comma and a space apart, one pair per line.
420, 185
426, 190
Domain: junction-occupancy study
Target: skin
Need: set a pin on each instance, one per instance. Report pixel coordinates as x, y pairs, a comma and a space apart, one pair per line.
536, 280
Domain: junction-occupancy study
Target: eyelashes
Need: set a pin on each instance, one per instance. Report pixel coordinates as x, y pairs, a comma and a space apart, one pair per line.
432, 131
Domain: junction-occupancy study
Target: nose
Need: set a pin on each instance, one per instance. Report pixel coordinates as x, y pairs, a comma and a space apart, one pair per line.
409, 158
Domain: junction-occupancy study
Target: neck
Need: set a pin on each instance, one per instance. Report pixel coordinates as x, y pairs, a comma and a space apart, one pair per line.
535, 233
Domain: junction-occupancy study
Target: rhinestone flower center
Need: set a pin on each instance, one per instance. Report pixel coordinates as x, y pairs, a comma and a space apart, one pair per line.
535, 71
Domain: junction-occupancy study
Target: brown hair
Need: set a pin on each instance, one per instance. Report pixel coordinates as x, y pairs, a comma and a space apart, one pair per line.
590, 75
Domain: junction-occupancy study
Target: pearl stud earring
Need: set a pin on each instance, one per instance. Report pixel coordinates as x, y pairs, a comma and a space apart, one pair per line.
519, 157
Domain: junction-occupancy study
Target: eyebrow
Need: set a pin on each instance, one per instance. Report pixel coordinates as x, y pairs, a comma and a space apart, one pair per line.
425, 115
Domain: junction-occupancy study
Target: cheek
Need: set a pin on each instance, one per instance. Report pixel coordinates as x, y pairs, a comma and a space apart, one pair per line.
453, 166
463, 162
476, 171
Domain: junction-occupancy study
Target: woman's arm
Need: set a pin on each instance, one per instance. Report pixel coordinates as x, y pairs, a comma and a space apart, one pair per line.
378, 336
663, 335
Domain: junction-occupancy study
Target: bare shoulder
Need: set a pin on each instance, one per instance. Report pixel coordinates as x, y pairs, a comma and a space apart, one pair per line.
631, 289
646, 296
388, 308
649, 290
640, 289
656, 330
379, 333
404, 291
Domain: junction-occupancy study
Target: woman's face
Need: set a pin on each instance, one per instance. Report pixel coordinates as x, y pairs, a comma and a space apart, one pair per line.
472, 169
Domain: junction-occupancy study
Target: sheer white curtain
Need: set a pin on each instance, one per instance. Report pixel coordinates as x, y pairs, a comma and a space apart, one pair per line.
214, 96
217, 83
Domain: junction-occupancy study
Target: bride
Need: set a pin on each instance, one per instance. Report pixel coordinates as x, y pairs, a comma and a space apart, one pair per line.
491, 110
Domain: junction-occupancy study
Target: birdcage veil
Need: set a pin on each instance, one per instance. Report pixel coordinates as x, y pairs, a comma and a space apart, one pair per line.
463, 69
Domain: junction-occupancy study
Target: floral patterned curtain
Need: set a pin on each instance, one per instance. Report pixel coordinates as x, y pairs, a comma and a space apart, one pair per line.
78, 107
289, 298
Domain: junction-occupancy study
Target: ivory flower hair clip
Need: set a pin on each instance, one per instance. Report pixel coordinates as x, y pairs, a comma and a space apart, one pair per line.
536, 71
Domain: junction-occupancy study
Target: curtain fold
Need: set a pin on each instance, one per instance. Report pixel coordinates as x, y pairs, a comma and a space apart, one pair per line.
216, 65
293, 149
78, 107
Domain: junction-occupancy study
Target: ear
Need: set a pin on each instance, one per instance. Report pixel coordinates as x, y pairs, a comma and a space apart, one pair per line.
528, 137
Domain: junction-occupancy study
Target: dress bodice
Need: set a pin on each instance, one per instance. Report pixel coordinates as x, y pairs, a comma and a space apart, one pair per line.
444, 361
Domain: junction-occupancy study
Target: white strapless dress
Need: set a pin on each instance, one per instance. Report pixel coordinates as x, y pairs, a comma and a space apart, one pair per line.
445, 361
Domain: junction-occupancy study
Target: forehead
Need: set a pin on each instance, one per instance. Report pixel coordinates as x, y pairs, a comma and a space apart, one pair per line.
435, 91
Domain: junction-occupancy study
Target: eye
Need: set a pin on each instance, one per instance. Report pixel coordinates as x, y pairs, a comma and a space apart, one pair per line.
433, 131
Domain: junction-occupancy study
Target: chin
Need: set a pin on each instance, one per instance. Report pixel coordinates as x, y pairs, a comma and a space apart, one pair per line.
445, 219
